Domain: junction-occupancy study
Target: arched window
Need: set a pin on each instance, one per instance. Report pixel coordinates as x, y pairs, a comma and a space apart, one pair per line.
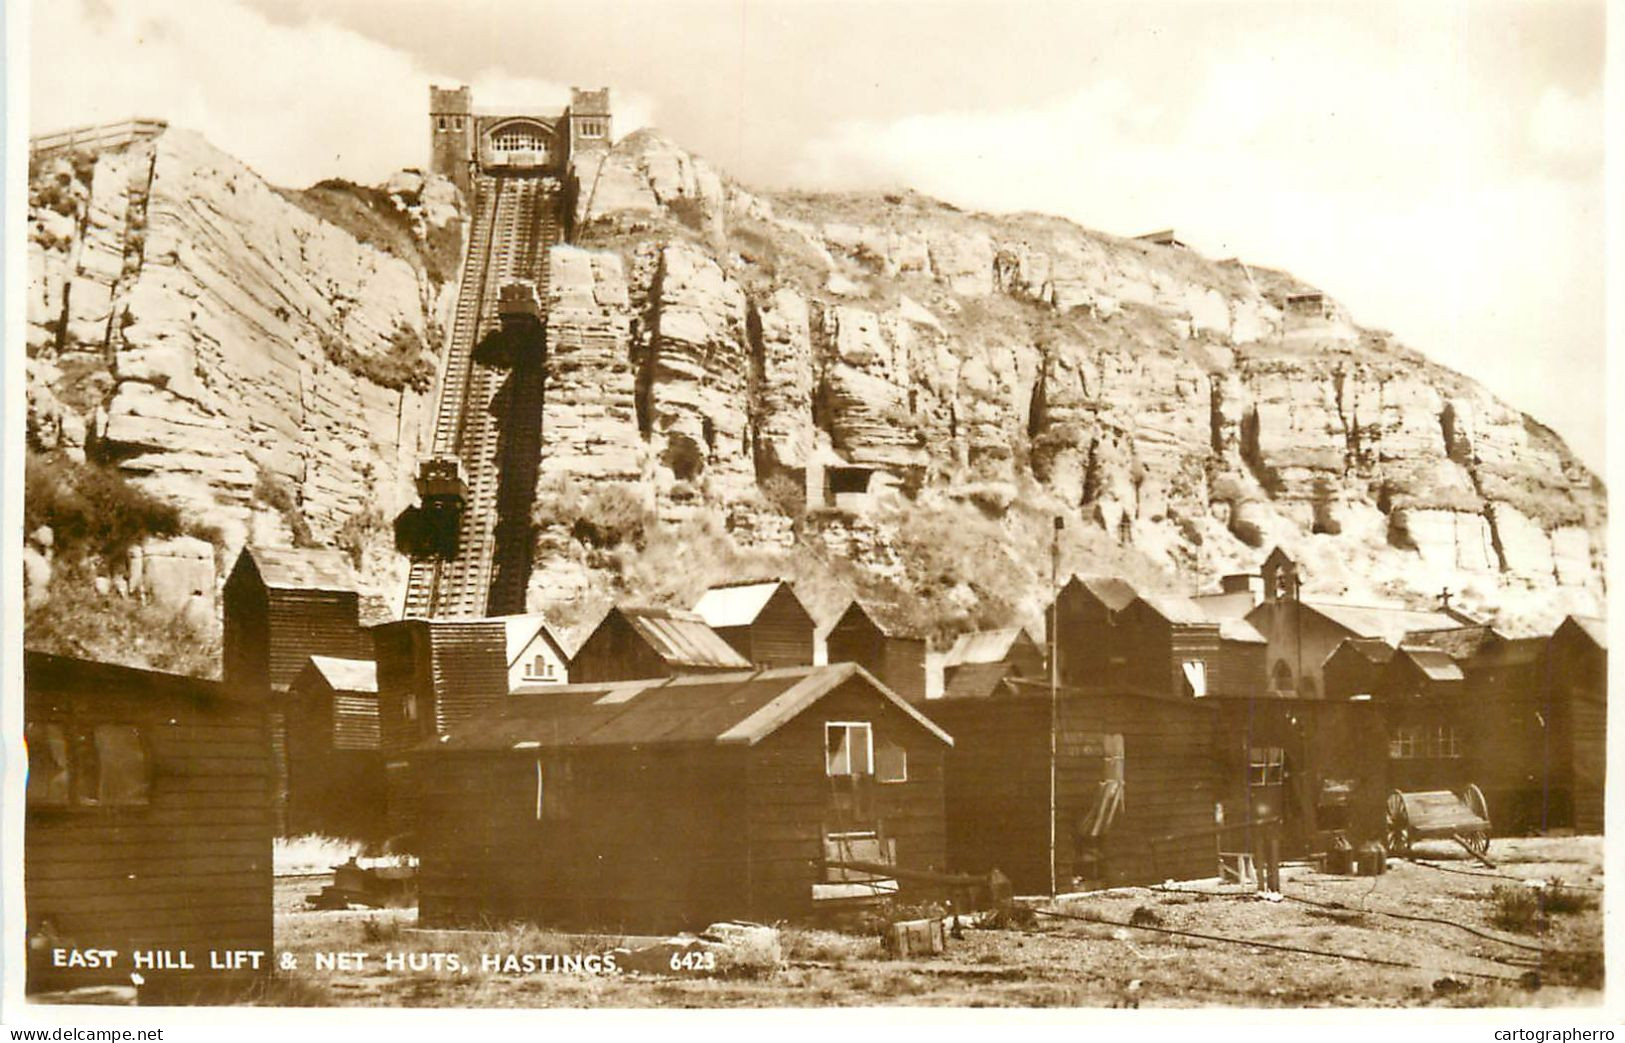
1281, 677
519, 137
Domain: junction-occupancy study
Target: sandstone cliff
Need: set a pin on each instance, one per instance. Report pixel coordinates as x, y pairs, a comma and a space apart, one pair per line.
725, 365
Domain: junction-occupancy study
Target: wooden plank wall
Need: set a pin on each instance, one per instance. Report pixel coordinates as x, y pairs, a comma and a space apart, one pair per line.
791, 800
304, 623
781, 636
629, 840
614, 652
470, 669
192, 868
998, 786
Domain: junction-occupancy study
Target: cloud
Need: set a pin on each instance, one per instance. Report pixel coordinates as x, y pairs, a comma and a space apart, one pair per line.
297, 102
1400, 186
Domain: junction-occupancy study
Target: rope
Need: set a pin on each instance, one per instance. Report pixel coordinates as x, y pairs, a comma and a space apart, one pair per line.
1498, 876
1432, 919
1274, 946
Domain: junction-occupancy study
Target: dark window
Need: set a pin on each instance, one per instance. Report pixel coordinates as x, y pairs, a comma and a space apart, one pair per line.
848, 480
47, 764
100, 766
1266, 766
441, 123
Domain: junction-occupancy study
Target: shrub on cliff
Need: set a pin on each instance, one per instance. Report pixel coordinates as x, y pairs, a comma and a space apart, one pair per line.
92, 510
407, 363
607, 515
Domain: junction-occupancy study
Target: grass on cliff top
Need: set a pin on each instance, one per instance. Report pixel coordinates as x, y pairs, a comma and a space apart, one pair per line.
371, 217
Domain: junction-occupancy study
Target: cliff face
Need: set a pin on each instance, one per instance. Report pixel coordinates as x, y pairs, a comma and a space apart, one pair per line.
227, 348
724, 366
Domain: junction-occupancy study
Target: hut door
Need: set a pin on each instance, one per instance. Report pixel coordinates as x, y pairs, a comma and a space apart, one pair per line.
1105, 802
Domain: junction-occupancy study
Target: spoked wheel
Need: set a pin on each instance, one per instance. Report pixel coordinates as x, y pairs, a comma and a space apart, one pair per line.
1478, 841
1399, 826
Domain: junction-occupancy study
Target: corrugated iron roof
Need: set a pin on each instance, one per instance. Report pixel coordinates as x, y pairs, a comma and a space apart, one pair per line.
1373, 649
1240, 630
974, 680
1110, 591
347, 675
981, 647
719, 709
1233, 605
1175, 609
736, 604
1460, 642
1436, 665
682, 638
1391, 623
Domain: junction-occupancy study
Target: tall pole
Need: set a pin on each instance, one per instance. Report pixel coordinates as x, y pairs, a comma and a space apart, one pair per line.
1054, 686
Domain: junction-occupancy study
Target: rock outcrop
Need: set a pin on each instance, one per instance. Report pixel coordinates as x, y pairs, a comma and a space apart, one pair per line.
714, 353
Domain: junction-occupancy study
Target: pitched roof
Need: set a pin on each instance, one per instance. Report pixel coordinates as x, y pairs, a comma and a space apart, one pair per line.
737, 604
1594, 628
1240, 630
1110, 591
1230, 605
1436, 665
303, 568
1383, 621
974, 680
983, 646
522, 631
1509, 651
891, 620
680, 637
709, 709
1175, 609
347, 675
1461, 642
1372, 649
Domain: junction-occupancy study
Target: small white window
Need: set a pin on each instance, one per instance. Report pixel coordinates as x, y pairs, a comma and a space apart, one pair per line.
1266, 766
1195, 677
848, 748
409, 706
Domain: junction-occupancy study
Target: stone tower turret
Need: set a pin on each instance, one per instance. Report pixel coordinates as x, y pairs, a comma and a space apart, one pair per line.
589, 120
451, 134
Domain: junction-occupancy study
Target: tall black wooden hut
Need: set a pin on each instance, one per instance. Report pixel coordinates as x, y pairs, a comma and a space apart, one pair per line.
432, 674
1577, 686
876, 638
633, 642
671, 802
1134, 786
762, 620
335, 766
281, 607
147, 823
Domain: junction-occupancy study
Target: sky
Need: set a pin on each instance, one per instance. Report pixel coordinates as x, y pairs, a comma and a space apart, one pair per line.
1436, 166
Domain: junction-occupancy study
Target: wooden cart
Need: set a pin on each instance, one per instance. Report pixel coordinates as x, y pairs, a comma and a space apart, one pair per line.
1439, 815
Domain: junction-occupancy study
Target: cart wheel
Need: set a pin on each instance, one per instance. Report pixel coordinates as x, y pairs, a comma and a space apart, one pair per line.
1479, 841
1399, 826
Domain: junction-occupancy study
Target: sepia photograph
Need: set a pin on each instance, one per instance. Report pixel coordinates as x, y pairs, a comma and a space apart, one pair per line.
805, 504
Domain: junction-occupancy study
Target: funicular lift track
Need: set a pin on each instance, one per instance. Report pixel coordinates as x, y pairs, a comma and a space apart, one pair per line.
513, 225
